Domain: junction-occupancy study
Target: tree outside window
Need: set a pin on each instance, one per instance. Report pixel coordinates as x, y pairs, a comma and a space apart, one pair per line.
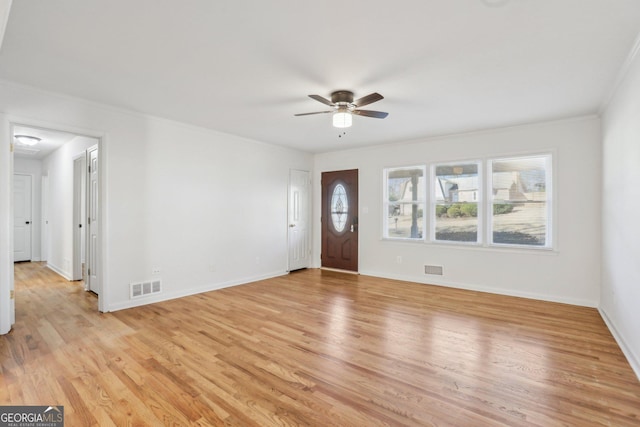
404, 202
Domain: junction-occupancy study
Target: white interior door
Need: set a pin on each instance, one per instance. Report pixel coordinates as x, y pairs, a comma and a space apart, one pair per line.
21, 217
46, 232
93, 219
299, 242
78, 216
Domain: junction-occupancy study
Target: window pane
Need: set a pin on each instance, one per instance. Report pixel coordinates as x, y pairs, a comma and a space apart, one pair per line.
456, 198
404, 204
405, 221
339, 208
520, 201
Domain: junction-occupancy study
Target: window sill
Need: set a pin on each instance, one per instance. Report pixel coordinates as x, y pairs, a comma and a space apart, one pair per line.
476, 246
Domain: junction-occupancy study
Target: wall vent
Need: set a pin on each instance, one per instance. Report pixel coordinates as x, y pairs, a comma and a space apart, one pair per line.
433, 269
144, 288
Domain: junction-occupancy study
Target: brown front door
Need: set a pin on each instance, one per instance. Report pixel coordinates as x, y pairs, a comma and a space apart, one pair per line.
340, 220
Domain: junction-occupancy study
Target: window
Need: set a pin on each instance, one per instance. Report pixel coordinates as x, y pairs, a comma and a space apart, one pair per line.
516, 211
404, 202
521, 201
339, 208
456, 202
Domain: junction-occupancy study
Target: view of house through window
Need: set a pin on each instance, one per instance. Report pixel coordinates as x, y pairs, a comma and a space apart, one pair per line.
521, 201
405, 202
455, 200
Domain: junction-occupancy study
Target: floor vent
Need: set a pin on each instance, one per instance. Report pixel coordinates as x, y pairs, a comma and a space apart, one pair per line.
433, 269
144, 288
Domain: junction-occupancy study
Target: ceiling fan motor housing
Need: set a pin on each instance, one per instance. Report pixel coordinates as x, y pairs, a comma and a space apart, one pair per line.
342, 97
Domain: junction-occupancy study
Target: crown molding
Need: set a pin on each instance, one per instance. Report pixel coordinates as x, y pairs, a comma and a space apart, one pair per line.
622, 73
5, 8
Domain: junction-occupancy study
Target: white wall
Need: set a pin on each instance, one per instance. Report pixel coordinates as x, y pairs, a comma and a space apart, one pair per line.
205, 208
620, 298
569, 274
33, 167
58, 166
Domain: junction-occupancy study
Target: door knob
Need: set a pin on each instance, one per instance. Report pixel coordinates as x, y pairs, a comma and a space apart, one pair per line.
292, 225
27, 222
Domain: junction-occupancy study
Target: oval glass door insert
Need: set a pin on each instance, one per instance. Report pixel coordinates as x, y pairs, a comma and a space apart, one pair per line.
339, 208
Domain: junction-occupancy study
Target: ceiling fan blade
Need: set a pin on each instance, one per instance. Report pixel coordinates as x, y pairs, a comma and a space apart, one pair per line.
369, 99
369, 113
321, 99
316, 112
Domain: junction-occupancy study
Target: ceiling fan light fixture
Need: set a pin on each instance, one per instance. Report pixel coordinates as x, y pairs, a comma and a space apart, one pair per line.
343, 107
28, 140
342, 119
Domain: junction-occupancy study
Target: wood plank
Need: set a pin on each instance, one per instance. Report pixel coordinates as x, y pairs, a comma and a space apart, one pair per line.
314, 348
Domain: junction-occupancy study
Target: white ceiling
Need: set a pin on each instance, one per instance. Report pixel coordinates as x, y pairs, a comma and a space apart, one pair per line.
246, 66
50, 141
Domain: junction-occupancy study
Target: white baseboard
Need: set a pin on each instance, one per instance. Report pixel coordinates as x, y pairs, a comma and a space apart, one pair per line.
166, 296
633, 359
434, 280
59, 271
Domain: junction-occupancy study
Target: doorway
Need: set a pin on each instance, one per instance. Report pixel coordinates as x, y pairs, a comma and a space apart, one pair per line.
59, 161
339, 222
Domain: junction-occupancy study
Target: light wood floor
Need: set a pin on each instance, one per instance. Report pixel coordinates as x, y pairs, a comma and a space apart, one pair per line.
314, 348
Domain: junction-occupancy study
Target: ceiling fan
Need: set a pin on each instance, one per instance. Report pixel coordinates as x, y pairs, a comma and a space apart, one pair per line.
343, 107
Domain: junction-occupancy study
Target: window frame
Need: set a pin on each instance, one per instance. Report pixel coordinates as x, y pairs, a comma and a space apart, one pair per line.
421, 203
485, 202
433, 202
549, 200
